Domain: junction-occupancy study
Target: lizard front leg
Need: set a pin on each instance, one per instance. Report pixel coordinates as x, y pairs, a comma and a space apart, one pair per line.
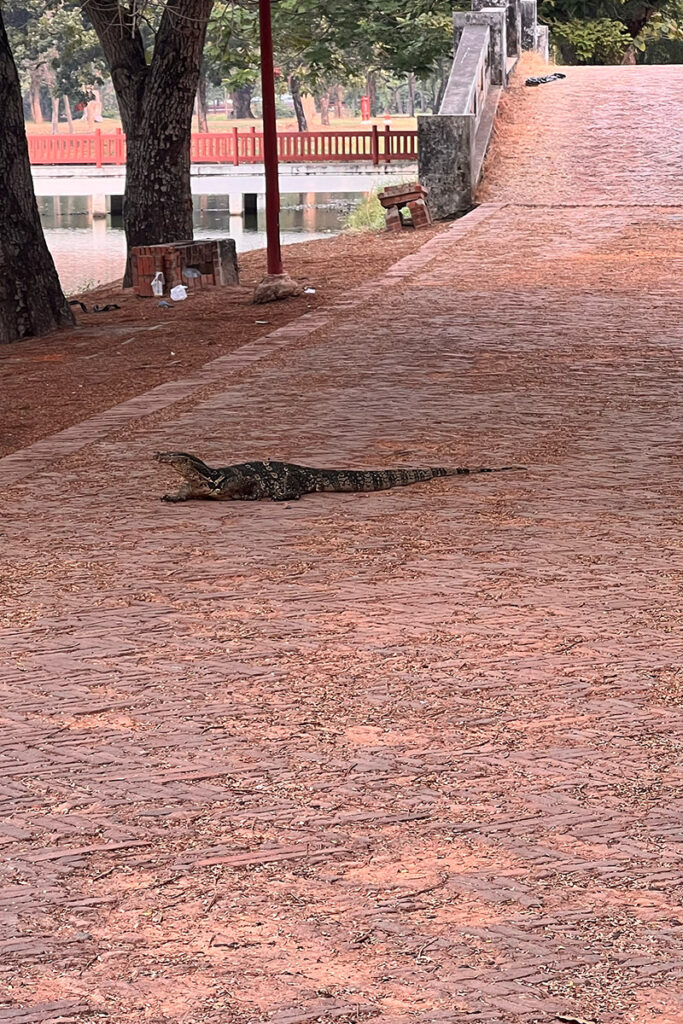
184, 494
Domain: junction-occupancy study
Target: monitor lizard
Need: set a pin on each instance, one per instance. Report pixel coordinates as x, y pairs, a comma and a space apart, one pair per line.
285, 481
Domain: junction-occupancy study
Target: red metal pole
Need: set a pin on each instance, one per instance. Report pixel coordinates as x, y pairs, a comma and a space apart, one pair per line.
270, 141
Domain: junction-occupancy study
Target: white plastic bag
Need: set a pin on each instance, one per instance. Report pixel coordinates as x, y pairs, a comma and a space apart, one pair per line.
179, 293
158, 284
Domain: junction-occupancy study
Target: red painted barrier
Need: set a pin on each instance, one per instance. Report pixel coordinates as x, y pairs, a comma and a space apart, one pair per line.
375, 146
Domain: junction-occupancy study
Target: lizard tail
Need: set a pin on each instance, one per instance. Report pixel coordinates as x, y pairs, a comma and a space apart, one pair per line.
466, 471
383, 479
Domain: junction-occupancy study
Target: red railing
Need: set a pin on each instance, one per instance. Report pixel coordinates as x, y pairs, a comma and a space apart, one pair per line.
375, 146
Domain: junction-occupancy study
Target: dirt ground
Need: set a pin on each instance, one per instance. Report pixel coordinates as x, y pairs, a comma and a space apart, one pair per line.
51, 383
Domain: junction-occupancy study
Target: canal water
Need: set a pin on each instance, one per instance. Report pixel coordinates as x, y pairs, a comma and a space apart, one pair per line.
89, 247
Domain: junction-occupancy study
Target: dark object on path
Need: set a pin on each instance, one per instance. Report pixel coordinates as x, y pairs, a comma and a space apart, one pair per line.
542, 79
96, 309
395, 198
285, 481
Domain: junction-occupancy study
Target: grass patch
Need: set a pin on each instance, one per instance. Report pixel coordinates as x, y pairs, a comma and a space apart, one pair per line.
370, 215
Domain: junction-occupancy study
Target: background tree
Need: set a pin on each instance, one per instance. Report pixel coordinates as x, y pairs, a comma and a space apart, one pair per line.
76, 60
610, 31
154, 54
231, 53
31, 299
321, 43
57, 55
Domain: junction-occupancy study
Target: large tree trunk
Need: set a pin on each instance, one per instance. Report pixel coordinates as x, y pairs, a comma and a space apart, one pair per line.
241, 103
443, 82
639, 18
156, 102
69, 116
202, 117
295, 89
31, 299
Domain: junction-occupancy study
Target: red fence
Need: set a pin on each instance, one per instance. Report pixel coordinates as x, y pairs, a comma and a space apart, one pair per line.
375, 146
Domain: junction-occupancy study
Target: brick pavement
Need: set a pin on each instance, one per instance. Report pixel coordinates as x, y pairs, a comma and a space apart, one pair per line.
405, 757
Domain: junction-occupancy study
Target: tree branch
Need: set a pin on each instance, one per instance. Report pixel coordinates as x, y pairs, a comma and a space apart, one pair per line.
117, 29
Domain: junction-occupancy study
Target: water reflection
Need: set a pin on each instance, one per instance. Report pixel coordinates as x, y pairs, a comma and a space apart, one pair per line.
88, 244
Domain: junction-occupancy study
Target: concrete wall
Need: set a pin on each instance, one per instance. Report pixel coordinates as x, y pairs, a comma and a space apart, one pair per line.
452, 143
446, 146
494, 19
529, 24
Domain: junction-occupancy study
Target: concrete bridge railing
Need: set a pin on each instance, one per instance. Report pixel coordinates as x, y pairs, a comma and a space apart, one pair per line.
452, 144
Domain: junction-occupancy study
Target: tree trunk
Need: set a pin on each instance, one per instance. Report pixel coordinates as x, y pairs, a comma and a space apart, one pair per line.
295, 89
241, 102
339, 102
371, 92
202, 117
639, 19
67, 111
411, 95
398, 101
55, 115
325, 108
156, 101
36, 109
31, 299
442, 90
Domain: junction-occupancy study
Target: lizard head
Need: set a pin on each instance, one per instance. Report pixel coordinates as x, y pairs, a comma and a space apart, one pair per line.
185, 464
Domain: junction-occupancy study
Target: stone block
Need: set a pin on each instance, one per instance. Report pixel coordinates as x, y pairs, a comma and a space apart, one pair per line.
215, 259
495, 18
419, 213
514, 28
394, 220
543, 41
528, 12
445, 148
513, 21
228, 270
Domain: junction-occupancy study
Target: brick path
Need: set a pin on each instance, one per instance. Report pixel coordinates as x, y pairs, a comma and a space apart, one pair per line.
409, 757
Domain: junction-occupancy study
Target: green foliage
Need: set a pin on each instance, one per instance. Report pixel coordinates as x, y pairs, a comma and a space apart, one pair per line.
603, 31
231, 52
369, 215
52, 44
323, 43
600, 41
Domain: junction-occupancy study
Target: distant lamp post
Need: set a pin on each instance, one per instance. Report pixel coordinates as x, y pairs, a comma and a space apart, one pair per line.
276, 284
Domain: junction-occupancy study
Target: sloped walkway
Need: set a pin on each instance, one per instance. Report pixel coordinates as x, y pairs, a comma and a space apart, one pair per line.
405, 757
